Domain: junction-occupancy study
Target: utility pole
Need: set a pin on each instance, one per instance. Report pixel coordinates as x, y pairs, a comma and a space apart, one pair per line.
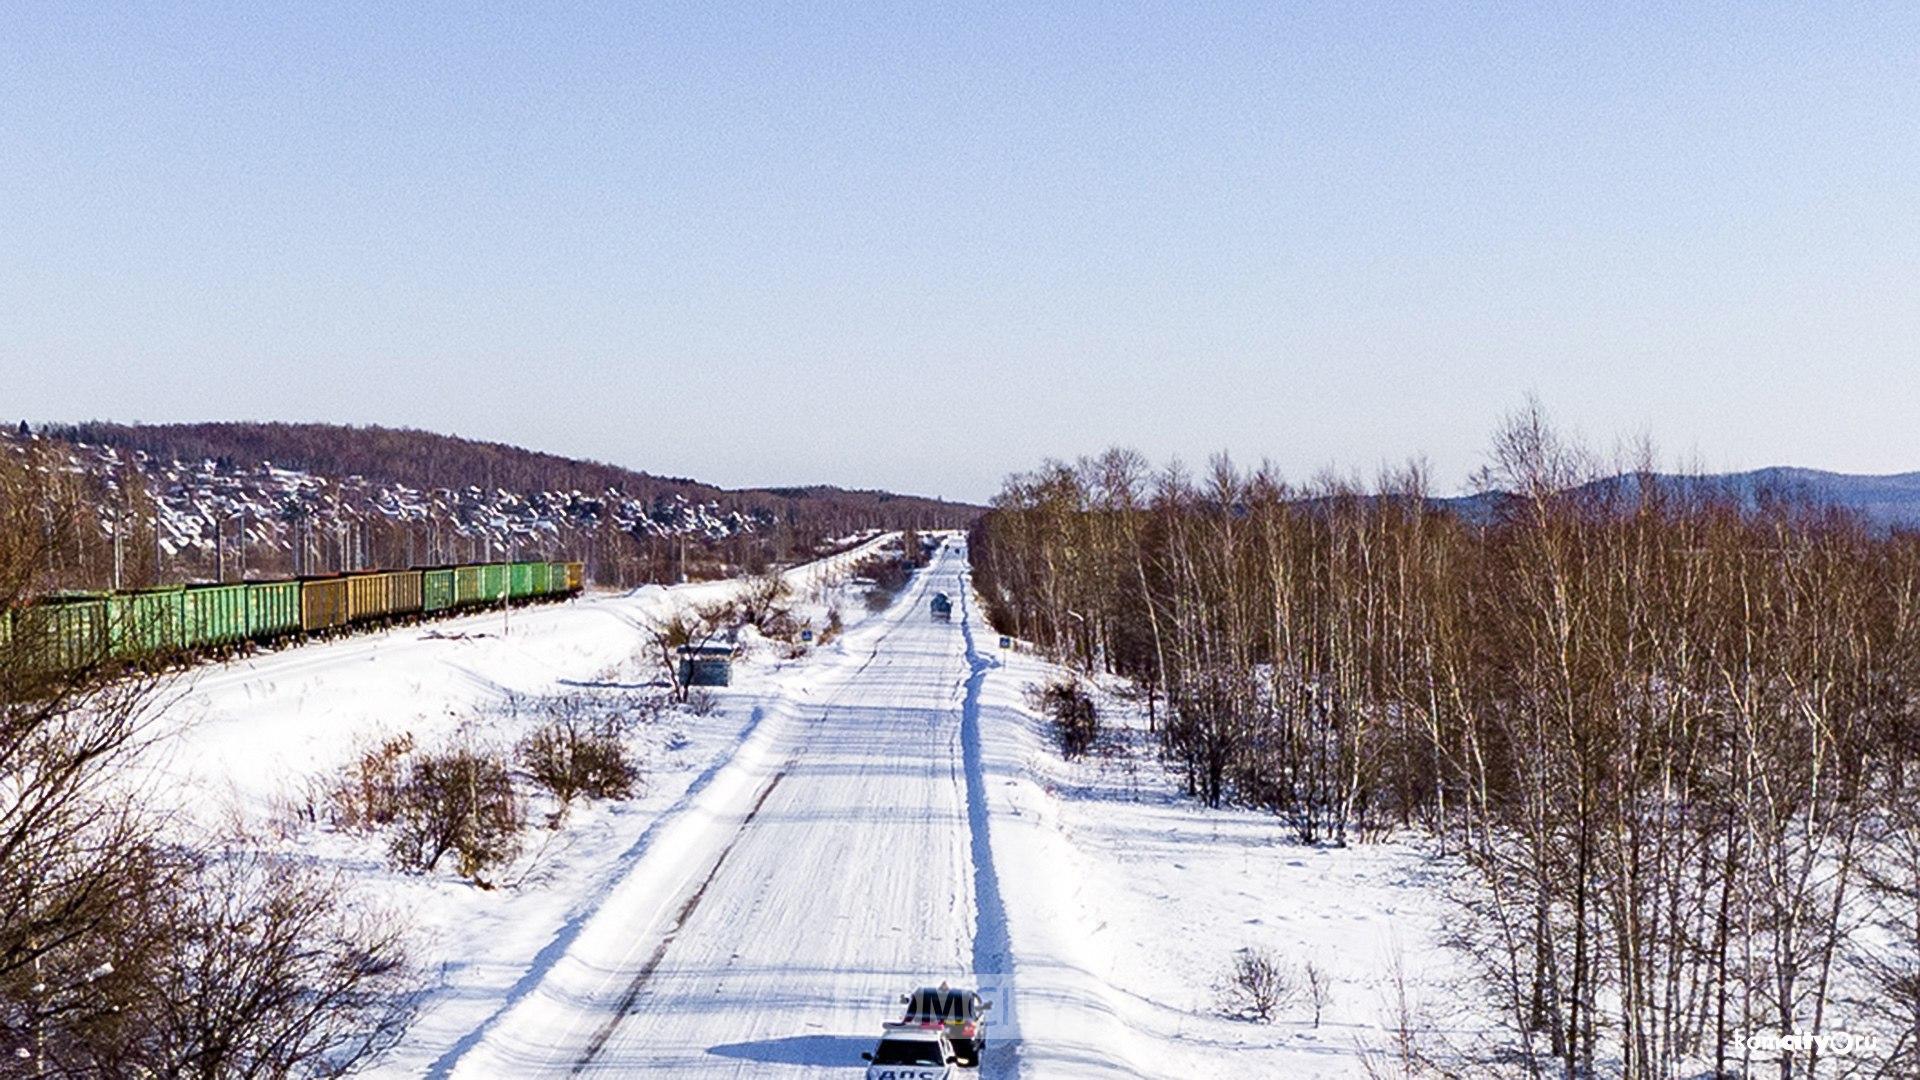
300, 567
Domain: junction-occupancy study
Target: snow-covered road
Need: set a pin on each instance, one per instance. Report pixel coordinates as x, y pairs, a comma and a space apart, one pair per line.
827, 869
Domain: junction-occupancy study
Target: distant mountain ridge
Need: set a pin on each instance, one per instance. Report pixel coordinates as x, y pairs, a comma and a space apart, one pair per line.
1887, 501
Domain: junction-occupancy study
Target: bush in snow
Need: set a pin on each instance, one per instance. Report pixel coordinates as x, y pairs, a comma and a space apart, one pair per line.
368, 794
574, 755
762, 603
457, 801
1411, 1049
216, 965
642, 709
1076, 723
1319, 989
888, 574
271, 971
1257, 986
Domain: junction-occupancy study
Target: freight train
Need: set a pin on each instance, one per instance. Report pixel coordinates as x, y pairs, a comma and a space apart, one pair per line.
146, 627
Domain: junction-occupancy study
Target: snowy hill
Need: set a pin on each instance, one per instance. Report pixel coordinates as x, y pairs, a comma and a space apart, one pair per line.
220, 501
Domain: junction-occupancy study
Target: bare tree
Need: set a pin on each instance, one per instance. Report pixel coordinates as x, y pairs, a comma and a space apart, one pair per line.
122, 952
1258, 986
272, 970
686, 628
1319, 989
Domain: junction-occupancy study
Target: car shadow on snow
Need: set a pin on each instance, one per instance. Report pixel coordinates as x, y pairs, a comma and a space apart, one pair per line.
799, 1050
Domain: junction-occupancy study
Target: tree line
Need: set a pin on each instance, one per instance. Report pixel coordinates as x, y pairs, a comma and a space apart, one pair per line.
1671, 737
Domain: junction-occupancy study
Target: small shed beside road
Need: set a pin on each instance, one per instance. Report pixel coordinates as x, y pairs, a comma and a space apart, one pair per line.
706, 665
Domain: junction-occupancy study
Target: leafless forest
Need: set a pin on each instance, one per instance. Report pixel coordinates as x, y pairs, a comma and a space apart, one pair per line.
1669, 740
123, 951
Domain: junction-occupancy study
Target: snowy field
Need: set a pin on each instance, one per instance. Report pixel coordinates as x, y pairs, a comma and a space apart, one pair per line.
882, 812
1122, 944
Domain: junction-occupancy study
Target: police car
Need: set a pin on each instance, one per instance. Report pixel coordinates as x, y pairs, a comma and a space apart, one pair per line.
911, 1053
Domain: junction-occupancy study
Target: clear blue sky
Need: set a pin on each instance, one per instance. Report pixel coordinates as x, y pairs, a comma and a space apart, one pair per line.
918, 246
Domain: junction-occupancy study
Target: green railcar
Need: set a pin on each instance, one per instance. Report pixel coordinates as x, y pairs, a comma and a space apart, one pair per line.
323, 604
519, 580
61, 633
215, 616
147, 624
273, 609
436, 589
493, 583
71, 630
468, 585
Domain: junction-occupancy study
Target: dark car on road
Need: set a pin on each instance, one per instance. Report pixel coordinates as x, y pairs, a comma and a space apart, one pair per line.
960, 1013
